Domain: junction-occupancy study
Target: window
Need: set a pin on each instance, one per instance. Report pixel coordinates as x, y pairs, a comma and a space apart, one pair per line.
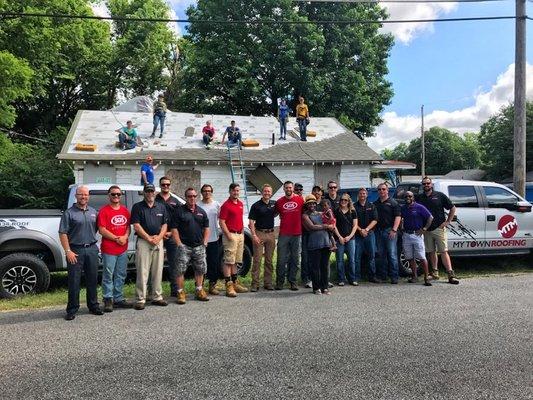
463, 196
499, 197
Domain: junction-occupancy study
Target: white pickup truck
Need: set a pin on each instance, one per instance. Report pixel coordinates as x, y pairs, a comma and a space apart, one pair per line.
490, 220
30, 248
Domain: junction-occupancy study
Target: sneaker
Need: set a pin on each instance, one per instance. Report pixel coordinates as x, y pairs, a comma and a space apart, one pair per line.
122, 304
326, 291
161, 303
108, 305
317, 291
412, 280
330, 285
354, 283
341, 283
213, 289
294, 287
254, 288
182, 297
201, 295
240, 288
308, 284
230, 290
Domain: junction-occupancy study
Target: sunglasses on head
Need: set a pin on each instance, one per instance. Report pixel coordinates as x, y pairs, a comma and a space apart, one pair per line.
115, 194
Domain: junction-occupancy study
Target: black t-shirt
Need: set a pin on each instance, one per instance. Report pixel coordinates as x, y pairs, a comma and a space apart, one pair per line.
344, 221
334, 203
436, 203
388, 210
151, 219
366, 213
190, 224
263, 214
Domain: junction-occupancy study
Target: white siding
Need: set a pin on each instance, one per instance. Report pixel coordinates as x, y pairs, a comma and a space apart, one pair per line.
303, 174
124, 175
217, 176
95, 173
78, 176
354, 176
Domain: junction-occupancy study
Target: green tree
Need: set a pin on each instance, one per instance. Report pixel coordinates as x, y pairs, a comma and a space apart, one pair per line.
245, 68
68, 56
445, 151
497, 141
141, 51
15, 77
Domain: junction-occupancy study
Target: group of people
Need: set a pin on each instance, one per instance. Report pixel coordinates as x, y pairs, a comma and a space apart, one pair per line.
311, 227
128, 137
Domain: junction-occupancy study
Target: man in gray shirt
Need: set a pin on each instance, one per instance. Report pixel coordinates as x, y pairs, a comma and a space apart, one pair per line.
77, 233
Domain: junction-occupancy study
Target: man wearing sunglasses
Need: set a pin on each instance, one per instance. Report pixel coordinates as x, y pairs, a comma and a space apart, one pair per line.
190, 231
332, 195
149, 219
416, 220
114, 225
164, 197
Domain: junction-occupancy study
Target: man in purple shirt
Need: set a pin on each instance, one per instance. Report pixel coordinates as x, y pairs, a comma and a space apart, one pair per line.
416, 219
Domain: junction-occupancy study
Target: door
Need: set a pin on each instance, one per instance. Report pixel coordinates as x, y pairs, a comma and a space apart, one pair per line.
507, 228
467, 232
326, 173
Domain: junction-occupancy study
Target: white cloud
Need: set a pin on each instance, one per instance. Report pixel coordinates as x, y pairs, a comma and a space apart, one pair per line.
396, 129
406, 32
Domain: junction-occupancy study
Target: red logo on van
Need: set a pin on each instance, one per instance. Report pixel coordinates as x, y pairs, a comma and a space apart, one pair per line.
507, 226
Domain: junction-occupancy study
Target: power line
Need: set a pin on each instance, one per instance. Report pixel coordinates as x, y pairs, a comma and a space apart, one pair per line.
252, 22
395, 1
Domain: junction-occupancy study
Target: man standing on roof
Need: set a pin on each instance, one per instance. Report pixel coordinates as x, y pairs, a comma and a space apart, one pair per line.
127, 136
435, 238
302, 116
234, 135
208, 133
160, 113
283, 118
147, 171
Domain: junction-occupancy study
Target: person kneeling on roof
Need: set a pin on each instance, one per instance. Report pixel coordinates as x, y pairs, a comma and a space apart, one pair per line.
234, 135
208, 133
127, 136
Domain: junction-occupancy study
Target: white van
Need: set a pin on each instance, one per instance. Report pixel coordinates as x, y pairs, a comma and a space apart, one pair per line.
491, 219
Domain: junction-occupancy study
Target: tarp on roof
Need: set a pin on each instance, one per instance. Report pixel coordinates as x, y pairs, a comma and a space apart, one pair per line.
137, 104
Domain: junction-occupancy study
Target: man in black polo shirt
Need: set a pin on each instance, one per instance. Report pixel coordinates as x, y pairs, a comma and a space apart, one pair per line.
190, 231
77, 231
261, 223
149, 219
365, 240
436, 238
169, 244
389, 217
332, 195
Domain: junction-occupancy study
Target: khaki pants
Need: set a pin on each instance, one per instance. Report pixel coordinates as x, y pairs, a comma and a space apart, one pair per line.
148, 260
267, 249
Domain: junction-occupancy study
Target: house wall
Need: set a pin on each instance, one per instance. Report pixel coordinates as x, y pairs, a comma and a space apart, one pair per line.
354, 176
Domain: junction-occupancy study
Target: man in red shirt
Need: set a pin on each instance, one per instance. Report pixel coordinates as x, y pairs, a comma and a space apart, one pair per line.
232, 226
114, 226
208, 133
289, 208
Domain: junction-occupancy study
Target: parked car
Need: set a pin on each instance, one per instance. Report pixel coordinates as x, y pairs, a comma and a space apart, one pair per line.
30, 247
490, 220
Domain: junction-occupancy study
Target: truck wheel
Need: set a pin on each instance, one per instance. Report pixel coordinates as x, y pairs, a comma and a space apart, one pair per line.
21, 274
244, 268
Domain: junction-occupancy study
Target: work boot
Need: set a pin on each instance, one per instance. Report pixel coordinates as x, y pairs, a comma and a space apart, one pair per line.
254, 287
239, 288
108, 305
230, 290
201, 295
451, 278
213, 288
434, 274
182, 298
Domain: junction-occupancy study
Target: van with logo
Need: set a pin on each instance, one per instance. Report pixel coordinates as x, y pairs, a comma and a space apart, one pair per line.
490, 218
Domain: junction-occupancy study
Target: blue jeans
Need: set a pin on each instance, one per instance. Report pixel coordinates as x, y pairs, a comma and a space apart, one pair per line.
235, 140
114, 275
368, 246
302, 124
282, 127
159, 119
348, 249
288, 256
388, 255
126, 141
305, 272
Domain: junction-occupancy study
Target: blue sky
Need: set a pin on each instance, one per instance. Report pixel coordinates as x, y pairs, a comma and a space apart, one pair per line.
461, 71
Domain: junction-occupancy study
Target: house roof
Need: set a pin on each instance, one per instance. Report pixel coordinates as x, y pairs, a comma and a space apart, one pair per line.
333, 142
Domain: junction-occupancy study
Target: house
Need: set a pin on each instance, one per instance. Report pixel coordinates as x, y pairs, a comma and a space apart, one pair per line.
334, 153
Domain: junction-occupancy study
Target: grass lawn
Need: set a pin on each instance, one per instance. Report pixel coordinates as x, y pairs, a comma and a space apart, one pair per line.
57, 294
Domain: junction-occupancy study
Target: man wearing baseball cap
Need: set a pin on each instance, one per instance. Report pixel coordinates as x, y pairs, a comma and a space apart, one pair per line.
149, 219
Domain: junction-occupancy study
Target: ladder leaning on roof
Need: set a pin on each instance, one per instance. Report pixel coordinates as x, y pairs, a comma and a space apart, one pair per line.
236, 167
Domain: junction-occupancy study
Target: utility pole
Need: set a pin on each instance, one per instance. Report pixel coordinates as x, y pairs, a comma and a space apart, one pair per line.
423, 166
519, 168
